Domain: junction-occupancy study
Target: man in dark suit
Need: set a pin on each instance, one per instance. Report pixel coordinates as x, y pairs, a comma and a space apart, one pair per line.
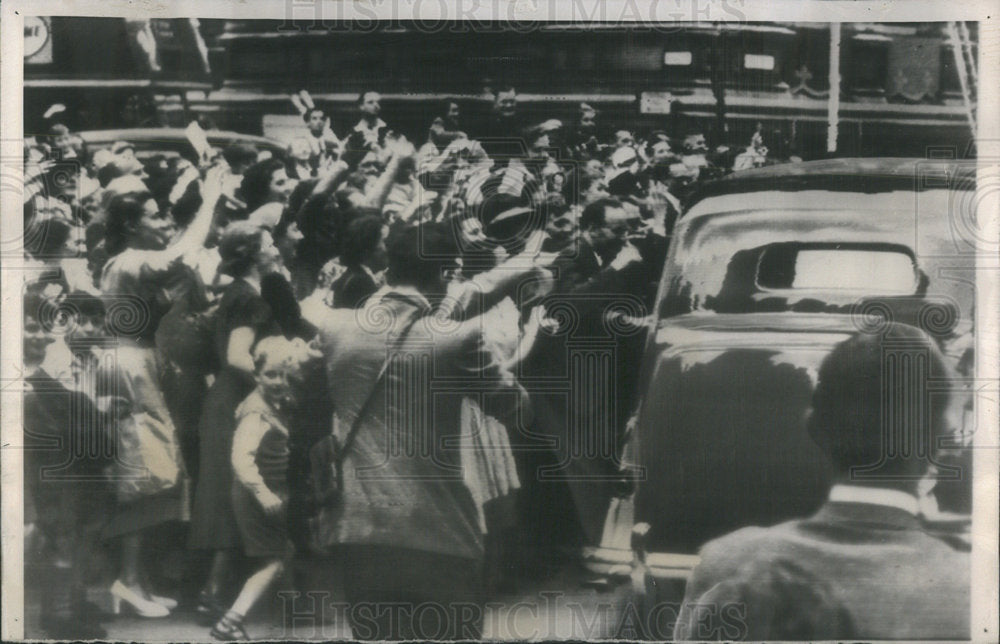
862, 567
580, 373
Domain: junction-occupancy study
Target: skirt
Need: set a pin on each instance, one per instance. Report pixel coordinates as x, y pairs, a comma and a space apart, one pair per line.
147, 512
213, 523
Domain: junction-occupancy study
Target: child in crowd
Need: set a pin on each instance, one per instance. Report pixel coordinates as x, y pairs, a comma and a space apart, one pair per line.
65, 451
260, 464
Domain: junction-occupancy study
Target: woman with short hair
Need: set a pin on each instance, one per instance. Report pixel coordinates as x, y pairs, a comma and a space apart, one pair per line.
243, 317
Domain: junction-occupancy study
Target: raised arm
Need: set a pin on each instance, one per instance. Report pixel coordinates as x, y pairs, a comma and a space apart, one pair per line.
401, 151
196, 233
487, 289
329, 178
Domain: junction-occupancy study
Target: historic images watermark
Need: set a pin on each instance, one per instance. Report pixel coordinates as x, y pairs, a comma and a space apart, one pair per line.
550, 615
661, 16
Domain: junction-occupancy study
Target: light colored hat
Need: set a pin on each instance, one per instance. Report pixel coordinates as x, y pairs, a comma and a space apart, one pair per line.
126, 183
102, 158
550, 125
621, 159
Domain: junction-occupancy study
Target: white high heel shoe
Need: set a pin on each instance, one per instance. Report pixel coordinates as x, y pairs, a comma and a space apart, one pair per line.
142, 606
167, 602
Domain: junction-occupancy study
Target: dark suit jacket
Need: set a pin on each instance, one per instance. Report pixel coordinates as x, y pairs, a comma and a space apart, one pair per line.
581, 377
351, 289
852, 571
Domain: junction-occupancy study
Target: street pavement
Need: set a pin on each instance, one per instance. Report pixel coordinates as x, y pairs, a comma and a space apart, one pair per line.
568, 604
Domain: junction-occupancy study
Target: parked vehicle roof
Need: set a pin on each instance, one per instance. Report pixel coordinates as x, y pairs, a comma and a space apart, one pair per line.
174, 138
865, 175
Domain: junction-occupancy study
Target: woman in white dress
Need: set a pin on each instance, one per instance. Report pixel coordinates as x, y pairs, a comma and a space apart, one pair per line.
144, 268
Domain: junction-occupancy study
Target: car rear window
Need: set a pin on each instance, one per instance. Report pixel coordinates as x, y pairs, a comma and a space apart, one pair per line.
860, 270
796, 276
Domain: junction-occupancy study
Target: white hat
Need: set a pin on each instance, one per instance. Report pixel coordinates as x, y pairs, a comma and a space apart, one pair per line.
126, 183
621, 159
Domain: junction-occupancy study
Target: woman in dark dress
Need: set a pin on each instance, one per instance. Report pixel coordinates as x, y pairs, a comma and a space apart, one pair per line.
244, 317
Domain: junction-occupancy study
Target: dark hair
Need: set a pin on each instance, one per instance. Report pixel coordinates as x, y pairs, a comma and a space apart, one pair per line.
280, 297
257, 181
84, 303
355, 149
238, 246
45, 237
187, 205
532, 133
419, 254
43, 309
156, 166
107, 173
160, 181
361, 238
307, 115
361, 96
239, 154
124, 213
860, 387
301, 193
444, 106
593, 213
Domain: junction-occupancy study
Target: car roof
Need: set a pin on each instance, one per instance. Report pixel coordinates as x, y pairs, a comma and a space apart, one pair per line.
174, 137
863, 175
909, 202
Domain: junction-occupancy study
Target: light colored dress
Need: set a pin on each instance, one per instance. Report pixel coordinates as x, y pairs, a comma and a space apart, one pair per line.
149, 476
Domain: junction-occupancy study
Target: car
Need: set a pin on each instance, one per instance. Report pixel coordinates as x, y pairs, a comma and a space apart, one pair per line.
173, 141
767, 270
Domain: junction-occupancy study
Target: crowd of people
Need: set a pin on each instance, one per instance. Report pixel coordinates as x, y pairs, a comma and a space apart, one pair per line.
344, 350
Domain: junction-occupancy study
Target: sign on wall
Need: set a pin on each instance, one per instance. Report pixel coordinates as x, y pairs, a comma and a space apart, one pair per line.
37, 41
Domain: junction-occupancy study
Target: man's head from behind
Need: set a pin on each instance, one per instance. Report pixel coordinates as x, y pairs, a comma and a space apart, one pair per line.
872, 402
239, 156
421, 256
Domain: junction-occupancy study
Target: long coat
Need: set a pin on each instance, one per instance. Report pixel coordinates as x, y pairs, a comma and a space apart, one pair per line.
403, 483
